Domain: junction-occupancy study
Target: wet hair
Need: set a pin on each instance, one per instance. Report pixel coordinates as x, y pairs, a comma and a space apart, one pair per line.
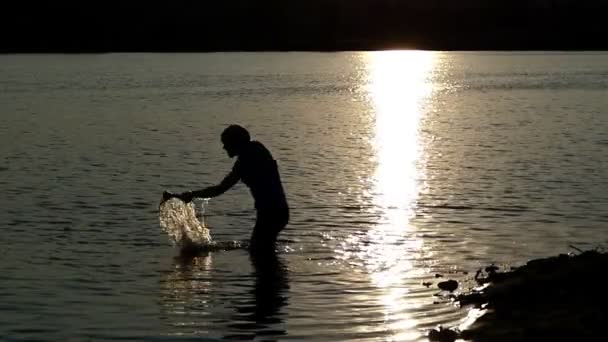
235, 134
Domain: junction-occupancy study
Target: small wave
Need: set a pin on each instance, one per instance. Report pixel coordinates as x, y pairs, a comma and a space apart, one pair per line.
193, 249
466, 207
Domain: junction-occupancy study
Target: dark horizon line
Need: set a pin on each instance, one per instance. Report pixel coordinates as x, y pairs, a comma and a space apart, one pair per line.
388, 48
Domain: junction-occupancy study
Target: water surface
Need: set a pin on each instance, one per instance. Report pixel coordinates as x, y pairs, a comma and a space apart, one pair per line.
397, 166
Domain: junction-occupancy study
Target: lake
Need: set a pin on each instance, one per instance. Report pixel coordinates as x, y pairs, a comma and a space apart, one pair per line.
398, 165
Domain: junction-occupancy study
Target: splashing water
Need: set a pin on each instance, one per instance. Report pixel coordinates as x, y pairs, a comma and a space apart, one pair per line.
179, 220
204, 205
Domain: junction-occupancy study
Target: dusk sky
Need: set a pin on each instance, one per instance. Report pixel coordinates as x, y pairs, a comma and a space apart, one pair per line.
312, 25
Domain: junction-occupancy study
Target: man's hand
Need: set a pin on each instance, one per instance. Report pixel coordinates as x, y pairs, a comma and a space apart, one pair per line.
186, 196
166, 196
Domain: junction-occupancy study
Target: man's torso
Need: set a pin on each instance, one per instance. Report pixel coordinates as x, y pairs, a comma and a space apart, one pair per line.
259, 171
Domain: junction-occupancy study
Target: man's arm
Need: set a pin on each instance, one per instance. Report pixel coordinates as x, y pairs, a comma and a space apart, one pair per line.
228, 182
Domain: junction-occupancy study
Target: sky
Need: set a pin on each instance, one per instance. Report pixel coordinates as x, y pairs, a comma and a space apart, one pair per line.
302, 25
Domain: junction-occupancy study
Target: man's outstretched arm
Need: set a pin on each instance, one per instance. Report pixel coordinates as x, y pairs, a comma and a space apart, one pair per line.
228, 182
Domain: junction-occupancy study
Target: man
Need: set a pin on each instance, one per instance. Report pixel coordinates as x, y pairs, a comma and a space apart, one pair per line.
256, 167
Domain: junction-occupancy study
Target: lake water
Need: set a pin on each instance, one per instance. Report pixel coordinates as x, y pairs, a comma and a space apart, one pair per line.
397, 166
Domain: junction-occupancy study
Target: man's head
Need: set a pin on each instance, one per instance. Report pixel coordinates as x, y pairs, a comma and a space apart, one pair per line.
234, 138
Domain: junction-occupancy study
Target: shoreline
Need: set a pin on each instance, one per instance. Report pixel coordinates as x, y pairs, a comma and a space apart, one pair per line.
554, 298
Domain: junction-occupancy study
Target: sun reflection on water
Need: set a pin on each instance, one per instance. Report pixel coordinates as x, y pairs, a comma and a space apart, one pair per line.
399, 82
397, 87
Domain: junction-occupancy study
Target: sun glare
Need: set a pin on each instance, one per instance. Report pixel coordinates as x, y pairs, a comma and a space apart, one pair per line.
399, 83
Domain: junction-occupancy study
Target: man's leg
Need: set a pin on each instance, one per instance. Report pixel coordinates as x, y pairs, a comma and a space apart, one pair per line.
267, 227
263, 238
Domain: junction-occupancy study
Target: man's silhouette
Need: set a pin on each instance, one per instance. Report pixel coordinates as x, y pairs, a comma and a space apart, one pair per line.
256, 167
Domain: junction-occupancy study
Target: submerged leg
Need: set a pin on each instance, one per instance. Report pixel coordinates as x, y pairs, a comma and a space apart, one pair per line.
263, 241
267, 227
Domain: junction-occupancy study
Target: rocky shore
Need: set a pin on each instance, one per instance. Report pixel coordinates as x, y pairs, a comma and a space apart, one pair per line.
553, 299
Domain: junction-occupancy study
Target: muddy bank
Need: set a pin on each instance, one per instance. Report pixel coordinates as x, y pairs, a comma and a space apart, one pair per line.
557, 298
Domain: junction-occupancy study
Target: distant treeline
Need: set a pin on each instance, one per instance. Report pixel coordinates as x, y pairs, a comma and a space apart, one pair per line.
240, 25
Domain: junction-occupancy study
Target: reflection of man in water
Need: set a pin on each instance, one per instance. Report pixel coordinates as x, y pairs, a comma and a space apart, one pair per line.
262, 316
256, 167
190, 292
